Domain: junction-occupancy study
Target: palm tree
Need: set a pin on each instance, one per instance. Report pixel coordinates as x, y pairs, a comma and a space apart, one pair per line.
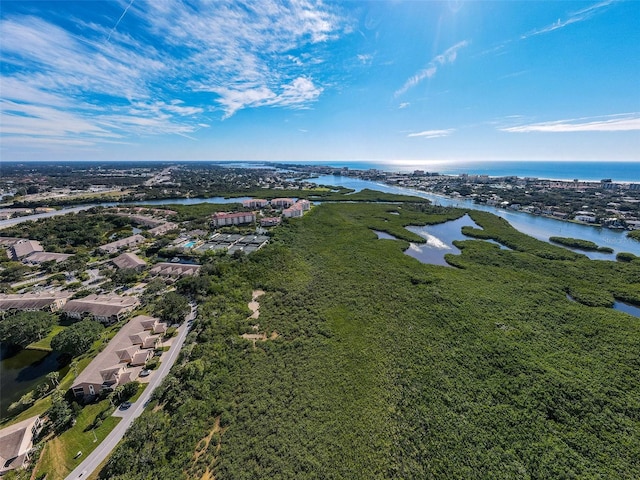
53, 377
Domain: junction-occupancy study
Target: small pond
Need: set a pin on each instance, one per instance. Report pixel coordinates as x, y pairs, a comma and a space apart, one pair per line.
22, 371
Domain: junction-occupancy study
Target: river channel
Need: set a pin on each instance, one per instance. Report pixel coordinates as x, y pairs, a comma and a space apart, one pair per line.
534, 225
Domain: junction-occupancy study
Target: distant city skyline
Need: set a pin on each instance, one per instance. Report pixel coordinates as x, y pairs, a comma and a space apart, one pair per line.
387, 81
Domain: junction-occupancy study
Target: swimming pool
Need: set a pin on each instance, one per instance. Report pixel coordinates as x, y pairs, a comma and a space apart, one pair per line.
189, 244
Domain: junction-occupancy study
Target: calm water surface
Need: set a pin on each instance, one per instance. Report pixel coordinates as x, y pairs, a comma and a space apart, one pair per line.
534, 225
21, 372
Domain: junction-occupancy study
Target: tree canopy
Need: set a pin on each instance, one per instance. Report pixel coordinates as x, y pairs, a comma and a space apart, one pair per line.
23, 328
77, 338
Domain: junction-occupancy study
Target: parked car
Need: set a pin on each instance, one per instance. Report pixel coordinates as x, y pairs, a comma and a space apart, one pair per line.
125, 405
145, 373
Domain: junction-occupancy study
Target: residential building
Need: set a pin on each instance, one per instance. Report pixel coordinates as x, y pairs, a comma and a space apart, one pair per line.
222, 219
175, 270
282, 202
122, 359
105, 309
255, 203
131, 241
129, 260
270, 221
163, 228
43, 301
41, 257
16, 443
23, 248
9, 241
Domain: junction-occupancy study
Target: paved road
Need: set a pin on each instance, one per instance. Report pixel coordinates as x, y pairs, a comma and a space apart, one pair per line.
95, 458
14, 221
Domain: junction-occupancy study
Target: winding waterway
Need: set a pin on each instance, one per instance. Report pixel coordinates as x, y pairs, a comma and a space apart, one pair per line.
534, 225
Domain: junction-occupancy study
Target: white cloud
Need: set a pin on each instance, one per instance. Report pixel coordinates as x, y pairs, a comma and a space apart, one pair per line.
365, 59
447, 57
610, 123
432, 133
146, 75
575, 17
403, 105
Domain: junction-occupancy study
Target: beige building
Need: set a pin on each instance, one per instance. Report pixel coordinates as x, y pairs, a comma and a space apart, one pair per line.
162, 229
41, 257
222, 219
105, 309
131, 241
129, 260
175, 270
122, 359
16, 443
23, 248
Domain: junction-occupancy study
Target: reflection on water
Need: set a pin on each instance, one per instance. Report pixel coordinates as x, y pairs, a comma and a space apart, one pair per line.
22, 372
384, 235
627, 308
534, 225
439, 240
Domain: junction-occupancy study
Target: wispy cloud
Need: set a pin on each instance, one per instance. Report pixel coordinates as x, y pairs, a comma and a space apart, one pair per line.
432, 133
447, 57
403, 105
575, 17
610, 123
89, 82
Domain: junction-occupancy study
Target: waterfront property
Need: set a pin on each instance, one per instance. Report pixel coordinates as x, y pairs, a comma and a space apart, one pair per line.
222, 219
122, 359
16, 443
106, 309
113, 247
129, 260
44, 301
282, 202
255, 203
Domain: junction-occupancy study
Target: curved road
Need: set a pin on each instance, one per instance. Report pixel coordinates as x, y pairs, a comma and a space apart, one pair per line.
95, 458
14, 221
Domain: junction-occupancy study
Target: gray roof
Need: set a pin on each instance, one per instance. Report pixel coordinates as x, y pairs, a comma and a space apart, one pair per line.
9, 241
175, 269
30, 301
110, 359
123, 242
25, 247
101, 305
39, 257
16, 441
128, 260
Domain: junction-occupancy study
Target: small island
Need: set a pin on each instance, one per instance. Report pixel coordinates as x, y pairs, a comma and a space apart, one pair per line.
581, 244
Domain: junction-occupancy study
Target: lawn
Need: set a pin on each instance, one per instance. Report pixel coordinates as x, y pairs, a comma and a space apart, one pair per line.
58, 456
45, 343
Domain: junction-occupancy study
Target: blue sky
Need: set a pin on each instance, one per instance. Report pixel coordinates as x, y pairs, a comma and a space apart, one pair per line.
414, 81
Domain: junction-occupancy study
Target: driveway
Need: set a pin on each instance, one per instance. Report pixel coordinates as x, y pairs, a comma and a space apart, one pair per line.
95, 458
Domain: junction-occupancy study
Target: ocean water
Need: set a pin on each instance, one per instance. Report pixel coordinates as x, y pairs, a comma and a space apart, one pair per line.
561, 170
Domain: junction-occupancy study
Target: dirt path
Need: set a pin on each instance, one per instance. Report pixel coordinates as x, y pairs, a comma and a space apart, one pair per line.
254, 305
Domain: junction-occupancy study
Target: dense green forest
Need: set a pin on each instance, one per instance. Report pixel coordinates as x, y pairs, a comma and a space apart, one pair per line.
377, 366
73, 232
